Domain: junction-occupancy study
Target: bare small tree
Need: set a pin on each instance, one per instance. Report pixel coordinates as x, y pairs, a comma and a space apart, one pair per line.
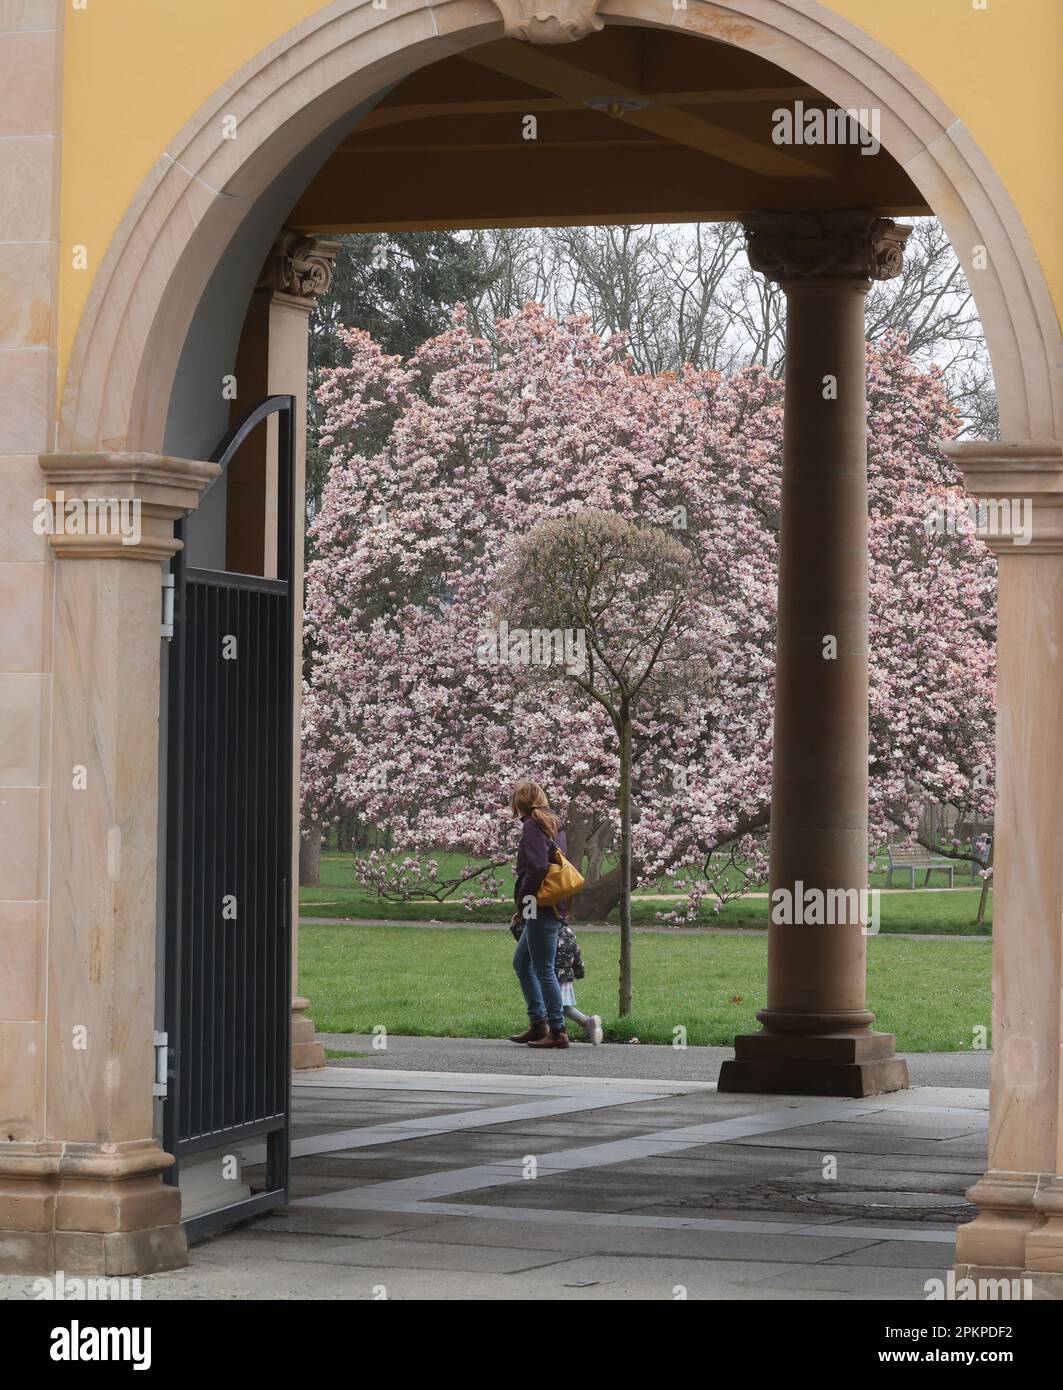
626, 592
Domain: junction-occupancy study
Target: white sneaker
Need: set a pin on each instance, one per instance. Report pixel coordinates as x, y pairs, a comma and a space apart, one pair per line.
594, 1029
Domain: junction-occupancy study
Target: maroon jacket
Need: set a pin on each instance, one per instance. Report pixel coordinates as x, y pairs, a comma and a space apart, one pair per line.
533, 860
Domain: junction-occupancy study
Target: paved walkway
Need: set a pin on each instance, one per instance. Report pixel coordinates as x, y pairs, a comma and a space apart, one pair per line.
489, 1185
642, 1061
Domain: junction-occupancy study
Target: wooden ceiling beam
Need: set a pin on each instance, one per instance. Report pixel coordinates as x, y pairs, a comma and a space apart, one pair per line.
385, 116
560, 77
538, 184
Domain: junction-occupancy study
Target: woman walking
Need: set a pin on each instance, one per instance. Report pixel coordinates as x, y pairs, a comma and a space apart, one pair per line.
533, 960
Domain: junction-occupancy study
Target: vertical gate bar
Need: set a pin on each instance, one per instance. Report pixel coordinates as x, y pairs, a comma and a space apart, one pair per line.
274, 869
197, 972
253, 799
284, 853
267, 843
291, 812
191, 865
246, 695
192, 860
237, 816
217, 926
286, 655
205, 851
224, 888
220, 933
260, 726
206, 919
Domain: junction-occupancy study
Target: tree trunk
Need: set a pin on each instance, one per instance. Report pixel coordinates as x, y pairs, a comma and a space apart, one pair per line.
595, 902
596, 853
577, 834
310, 855
625, 861
350, 834
985, 889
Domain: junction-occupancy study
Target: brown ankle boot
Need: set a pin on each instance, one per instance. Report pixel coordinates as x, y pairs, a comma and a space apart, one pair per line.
556, 1037
532, 1033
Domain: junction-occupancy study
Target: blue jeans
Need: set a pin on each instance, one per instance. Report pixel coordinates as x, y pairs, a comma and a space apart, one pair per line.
533, 960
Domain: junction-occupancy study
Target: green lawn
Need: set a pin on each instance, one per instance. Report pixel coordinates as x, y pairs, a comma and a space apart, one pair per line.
340, 897
932, 994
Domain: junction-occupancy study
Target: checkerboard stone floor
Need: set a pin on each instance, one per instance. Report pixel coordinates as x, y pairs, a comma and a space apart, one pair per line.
481, 1186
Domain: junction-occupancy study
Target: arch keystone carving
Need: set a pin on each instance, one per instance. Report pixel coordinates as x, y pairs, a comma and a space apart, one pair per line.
550, 21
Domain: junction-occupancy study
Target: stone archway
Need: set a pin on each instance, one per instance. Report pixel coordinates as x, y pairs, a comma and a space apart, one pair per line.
125, 353
121, 373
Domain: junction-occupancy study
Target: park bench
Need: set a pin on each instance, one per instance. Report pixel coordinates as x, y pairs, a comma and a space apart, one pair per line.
911, 858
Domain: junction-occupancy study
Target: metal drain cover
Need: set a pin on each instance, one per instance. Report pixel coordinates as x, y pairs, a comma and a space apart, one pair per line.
886, 1199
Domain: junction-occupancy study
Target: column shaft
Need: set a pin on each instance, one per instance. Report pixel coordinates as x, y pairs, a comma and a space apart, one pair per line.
817, 1037
1019, 1229
819, 779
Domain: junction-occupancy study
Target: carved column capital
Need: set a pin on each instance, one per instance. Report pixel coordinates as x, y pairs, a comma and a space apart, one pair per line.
299, 267
550, 21
118, 506
796, 248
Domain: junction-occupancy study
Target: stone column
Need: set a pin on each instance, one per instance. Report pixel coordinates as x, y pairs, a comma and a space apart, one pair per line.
817, 1036
31, 59
84, 1192
1019, 1229
272, 359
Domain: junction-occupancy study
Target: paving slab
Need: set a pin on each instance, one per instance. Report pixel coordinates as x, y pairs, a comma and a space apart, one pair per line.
875, 1281
591, 1238
609, 1277
896, 1254
339, 1224
389, 1252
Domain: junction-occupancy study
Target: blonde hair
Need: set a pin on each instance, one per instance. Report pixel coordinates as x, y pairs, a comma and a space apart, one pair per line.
529, 799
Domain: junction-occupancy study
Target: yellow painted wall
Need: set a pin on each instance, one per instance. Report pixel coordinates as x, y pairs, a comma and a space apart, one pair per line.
137, 70
998, 70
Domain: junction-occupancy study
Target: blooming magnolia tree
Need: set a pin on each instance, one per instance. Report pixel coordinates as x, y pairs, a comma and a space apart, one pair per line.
421, 708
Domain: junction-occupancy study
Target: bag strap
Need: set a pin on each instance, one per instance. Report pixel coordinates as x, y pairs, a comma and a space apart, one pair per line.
555, 848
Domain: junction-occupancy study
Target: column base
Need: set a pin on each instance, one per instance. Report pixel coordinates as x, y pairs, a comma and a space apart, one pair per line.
996, 1238
307, 1052
1044, 1244
833, 1064
87, 1210
1004, 1283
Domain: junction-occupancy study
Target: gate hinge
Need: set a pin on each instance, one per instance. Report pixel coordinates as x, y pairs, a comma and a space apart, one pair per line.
162, 1064
166, 629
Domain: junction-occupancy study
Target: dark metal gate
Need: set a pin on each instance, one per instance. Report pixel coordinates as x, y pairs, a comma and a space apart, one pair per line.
229, 851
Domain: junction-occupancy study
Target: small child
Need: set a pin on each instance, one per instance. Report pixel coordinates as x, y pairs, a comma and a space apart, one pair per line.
568, 965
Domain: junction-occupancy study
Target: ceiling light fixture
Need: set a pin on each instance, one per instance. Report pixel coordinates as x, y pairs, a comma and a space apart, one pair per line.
617, 106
